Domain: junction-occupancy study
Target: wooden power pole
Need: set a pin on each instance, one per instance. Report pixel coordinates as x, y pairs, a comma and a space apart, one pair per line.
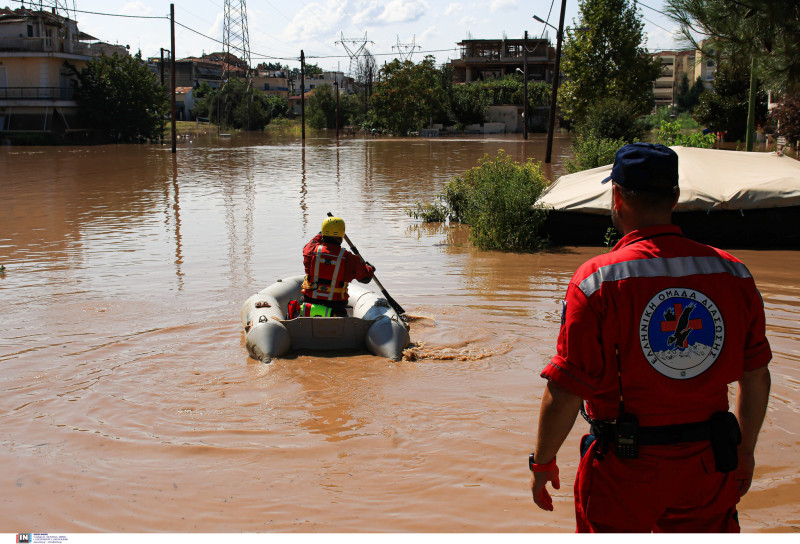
303, 93
172, 76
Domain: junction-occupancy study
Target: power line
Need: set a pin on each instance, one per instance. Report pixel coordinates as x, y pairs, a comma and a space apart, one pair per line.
108, 14
550, 11
256, 56
656, 24
653, 9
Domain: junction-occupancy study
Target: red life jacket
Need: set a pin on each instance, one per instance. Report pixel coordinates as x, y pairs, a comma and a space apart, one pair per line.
326, 278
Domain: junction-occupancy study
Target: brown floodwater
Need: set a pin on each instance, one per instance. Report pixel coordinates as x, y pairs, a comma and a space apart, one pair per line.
129, 403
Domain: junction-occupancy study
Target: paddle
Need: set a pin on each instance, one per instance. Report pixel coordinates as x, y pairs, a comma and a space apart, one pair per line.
392, 302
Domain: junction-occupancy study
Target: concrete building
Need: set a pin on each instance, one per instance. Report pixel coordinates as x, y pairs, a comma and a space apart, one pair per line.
493, 59
676, 64
327, 78
189, 72
296, 102
275, 83
37, 89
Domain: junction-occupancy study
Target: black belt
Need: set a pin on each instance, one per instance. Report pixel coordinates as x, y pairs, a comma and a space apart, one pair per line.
658, 435
328, 282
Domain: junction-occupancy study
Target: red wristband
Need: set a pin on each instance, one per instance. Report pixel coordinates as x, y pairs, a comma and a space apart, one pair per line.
547, 467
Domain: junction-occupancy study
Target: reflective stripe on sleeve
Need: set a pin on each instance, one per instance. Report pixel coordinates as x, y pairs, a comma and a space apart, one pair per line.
672, 267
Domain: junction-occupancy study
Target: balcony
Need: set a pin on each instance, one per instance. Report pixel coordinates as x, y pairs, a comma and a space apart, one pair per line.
58, 45
37, 93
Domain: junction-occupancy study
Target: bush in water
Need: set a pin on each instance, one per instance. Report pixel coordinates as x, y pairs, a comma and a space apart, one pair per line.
670, 134
497, 199
591, 152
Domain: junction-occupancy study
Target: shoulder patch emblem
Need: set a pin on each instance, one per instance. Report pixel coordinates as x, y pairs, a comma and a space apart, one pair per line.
681, 332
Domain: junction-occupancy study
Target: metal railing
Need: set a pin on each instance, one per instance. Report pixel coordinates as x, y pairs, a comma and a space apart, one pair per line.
37, 93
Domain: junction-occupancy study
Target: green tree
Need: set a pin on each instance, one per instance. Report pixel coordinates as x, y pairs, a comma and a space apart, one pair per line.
272, 67
321, 108
591, 152
611, 118
237, 104
689, 96
120, 95
725, 108
279, 105
407, 96
787, 117
205, 101
766, 29
467, 104
607, 59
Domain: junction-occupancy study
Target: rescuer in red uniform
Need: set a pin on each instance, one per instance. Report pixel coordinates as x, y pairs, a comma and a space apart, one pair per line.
329, 268
651, 335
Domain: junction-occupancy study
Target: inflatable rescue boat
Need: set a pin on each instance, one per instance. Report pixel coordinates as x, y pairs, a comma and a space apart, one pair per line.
371, 323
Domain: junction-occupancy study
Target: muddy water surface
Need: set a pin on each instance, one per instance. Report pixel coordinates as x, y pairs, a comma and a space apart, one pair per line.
129, 403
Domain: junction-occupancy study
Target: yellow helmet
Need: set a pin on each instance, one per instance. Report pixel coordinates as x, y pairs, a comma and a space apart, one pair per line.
333, 226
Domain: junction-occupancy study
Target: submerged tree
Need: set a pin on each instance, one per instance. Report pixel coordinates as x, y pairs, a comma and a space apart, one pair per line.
239, 105
407, 96
120, 94
321, 108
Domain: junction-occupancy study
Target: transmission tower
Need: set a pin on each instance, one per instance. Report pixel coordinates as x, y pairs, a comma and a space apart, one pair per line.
59, 7
235, 38
354, 52
406, 50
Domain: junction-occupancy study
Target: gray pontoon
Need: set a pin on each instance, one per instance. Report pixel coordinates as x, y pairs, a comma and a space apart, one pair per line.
371, 323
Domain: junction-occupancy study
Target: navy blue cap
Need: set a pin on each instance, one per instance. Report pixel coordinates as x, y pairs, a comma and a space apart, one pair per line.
650, 168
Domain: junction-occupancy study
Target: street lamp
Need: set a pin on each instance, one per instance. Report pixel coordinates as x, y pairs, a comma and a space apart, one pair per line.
554, 92
536, 17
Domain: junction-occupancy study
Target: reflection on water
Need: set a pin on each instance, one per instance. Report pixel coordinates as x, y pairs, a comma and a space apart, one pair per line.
129, 401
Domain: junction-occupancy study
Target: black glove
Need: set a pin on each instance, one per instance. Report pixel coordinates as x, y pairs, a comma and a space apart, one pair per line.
371, 266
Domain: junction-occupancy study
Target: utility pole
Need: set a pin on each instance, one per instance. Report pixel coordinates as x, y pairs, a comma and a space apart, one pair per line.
525, 86
172, 76
554, 92
303, 93
751, 106
336, 86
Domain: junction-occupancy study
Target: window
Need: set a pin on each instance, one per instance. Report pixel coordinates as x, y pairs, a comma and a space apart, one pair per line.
30, 31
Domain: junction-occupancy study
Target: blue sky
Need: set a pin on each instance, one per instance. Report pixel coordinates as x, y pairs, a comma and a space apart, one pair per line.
281, 28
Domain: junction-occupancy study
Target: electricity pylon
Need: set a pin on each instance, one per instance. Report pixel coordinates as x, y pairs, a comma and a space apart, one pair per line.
59, 7
406, 50
235, 38
354, 52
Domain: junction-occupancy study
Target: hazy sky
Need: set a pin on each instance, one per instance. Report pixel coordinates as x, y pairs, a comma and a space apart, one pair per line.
281, 28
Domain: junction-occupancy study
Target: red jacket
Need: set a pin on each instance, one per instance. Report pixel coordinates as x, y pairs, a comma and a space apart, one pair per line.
348, 268
686, 320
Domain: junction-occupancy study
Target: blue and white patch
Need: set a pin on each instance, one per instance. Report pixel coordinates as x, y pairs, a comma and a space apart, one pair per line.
681, 332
